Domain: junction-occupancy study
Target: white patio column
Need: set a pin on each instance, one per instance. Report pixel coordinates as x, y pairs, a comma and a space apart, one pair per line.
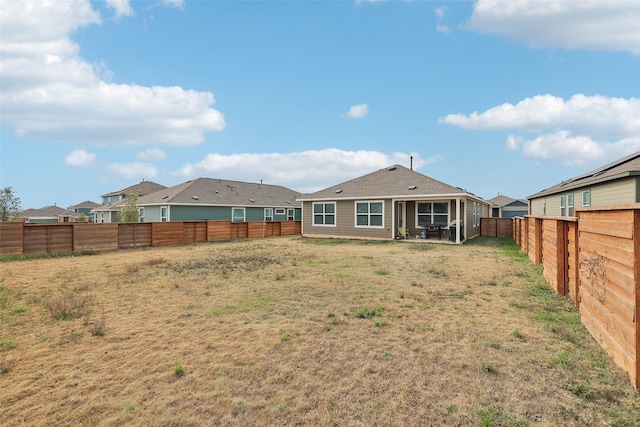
457, 220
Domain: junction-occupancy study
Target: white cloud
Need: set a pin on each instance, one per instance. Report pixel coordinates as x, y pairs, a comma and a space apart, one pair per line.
122, 7
565, 148
305, 171
357, 111
178, 4
49, 92
610, 25
583, 130
131, 170
151, 154
440, 13
80, 158
597, 115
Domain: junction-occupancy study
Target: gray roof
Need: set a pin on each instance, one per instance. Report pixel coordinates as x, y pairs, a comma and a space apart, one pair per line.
85, 204
622, 168
46, 212
391, 182
220, 192
142, 188
502, 201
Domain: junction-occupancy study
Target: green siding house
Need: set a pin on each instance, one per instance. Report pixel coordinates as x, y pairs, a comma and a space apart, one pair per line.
217, 199
612, 184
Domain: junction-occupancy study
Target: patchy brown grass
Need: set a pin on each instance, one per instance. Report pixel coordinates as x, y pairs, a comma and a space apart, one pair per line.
293, 331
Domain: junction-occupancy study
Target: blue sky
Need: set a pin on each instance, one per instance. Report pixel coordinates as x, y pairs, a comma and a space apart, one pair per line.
491, 96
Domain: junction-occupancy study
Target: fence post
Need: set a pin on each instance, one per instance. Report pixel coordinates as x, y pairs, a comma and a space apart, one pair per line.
636, 249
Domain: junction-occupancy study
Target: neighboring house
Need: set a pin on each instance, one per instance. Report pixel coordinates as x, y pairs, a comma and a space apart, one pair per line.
218, 199
73, 212
111, 202
506, 207
43, 215
615, 183
391, 203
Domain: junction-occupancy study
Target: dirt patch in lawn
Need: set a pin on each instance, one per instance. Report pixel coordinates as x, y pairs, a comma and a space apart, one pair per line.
293, 331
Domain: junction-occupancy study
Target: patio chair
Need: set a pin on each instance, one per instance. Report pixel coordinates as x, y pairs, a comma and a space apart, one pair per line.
402, 233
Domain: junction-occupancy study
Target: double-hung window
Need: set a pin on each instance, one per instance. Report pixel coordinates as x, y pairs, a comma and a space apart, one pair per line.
141, 215
570, 204
370, 214
291, 214
433, 213
324, 214
586, 198
268, 214
163, 213
563, 208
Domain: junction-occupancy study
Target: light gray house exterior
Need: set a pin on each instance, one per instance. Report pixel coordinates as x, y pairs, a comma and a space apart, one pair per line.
394, 202
73, 212
218, 199
615, 183
506, 207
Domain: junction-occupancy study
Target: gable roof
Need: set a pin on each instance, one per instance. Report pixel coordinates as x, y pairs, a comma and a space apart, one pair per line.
46, 212
391, 182
502, 201
85, 204
142, 188
220, 192
621, 168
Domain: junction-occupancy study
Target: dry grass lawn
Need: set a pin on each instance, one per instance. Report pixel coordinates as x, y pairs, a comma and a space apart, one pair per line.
293, 331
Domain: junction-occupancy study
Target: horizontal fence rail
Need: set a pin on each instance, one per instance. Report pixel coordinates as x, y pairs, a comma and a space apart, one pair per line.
594, 259
17, 238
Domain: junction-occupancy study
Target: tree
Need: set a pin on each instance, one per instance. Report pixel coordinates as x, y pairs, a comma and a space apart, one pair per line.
82, 217
129, 211
9, 205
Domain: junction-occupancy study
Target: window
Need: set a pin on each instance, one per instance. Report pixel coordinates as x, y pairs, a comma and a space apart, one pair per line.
433, 213
586, 198
562, 206
163, 213
570, 204
141, 215
268, 214
237, 214
369, 214
544, 206
279, 211
291, 214
476, 208
324, 214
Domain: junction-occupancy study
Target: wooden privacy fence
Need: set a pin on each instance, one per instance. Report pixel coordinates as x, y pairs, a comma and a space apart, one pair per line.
19, 238
496, 227
594, 259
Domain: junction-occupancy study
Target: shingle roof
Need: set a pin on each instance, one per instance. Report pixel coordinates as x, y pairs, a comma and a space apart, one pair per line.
142, 188
46, 212
393, 181
502, 201
220, 192
85, 204
622, 168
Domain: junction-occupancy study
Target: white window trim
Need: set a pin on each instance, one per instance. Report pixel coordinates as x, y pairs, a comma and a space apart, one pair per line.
544, 206
355, 218
570, 204
141, 214
563, 205
291, 214
166, 212
244, 214
279, 211
268, 214
583, 194
432, 213
313, 214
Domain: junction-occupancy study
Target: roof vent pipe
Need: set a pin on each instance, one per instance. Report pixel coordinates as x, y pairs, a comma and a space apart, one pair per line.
411, 162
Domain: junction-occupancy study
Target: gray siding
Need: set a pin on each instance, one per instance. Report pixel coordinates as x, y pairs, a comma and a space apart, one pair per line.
345, 223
